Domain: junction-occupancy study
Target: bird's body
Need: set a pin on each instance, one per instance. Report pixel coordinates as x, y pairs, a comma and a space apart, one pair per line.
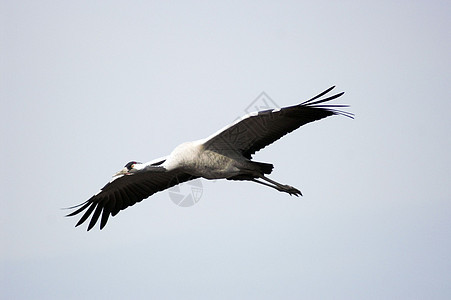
195, 159
226, 154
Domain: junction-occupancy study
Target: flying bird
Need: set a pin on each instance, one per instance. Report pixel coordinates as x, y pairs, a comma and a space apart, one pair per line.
227, 154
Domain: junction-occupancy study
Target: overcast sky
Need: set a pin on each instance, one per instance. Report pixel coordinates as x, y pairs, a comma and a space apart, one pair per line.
86, 86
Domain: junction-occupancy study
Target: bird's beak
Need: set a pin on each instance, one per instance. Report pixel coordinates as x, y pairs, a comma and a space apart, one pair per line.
124, 171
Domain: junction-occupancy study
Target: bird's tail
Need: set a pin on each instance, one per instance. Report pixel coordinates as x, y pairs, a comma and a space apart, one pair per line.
265, 168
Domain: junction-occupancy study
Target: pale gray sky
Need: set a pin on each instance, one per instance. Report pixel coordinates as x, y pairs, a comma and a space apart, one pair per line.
87, 86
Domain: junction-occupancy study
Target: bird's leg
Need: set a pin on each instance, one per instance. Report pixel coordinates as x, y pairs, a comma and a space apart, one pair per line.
280, 187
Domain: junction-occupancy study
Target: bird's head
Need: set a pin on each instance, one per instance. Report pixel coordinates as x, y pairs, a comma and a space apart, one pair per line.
129, 168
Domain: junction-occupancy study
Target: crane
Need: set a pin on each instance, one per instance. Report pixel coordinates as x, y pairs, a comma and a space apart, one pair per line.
226, 154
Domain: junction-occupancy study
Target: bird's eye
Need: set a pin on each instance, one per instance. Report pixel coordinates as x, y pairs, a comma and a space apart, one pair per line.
130, 165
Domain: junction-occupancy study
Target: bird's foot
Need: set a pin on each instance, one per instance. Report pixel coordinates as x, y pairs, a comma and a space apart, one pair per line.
290, 190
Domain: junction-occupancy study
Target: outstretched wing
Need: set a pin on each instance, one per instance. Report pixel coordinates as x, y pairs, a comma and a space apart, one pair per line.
125, 191
259, 129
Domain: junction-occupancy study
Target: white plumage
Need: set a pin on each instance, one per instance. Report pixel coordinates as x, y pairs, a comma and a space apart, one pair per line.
226, 154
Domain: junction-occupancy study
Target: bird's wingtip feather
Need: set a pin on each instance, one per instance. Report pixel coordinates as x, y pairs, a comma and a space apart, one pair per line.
75, 206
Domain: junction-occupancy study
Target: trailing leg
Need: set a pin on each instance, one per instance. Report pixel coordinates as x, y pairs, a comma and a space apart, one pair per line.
280, 187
